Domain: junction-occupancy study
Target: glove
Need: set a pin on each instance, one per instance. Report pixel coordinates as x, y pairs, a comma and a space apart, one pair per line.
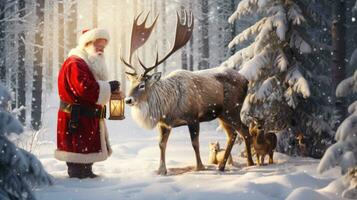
114, 86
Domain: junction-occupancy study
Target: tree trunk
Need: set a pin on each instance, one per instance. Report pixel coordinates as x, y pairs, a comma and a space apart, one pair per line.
163, 29
184, 63
232, 27
71, 26
191, 60
60, 33
2, 44
49, 47
21, 75
339, 54
123, 53
204, 63
38, 66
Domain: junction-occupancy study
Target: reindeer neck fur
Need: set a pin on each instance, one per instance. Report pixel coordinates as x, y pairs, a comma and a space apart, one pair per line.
162, 97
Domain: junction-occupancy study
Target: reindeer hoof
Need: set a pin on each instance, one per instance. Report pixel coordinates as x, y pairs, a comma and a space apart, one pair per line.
200, 168
250, 163
221, 167
162, 171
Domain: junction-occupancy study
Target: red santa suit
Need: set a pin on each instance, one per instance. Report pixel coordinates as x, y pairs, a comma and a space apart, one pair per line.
81, 81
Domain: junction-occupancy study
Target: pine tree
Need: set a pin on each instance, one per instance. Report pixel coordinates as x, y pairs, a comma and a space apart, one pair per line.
274, 63
60, 33
20, 171
344, 151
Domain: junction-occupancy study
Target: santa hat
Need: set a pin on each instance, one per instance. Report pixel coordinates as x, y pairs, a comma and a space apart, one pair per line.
90, 35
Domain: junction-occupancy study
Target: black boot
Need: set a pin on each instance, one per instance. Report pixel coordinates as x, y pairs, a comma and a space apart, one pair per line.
79, 170
74, 170
88, 173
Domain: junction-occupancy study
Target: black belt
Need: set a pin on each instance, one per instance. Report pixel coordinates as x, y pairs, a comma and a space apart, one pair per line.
83, 110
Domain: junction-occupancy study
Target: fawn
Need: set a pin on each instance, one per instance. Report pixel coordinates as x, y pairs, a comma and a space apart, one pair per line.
216, 154
263, 143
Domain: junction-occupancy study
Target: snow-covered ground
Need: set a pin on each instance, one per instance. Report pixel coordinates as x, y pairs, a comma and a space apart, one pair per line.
130, 172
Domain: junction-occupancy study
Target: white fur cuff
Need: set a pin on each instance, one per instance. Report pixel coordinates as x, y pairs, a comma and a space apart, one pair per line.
104, 92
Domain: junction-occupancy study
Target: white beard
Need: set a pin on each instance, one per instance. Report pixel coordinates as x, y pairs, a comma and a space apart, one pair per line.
97, 64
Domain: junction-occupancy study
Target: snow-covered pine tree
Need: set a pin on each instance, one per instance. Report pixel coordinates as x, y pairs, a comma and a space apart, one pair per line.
316, 115
344, 152
274, 65
20, 171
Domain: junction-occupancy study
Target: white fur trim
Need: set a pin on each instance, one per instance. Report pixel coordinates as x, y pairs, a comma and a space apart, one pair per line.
92, 35
91, 157
97, 73
80, 53
104, 92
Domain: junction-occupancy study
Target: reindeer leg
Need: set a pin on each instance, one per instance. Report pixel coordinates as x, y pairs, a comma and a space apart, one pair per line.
262, 158
271, 157
247, 140
195, 133
231, 137
164, 136
258, 160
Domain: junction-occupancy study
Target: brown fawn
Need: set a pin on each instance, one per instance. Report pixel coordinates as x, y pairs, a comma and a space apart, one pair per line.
263, 143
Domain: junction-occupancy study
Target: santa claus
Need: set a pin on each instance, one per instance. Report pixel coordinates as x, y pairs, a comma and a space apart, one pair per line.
82, 136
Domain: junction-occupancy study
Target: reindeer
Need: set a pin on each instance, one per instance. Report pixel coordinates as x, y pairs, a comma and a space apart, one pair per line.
185, 98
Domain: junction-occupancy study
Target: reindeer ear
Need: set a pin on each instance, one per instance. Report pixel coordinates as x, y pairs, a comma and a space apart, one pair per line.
154, 78
130, 77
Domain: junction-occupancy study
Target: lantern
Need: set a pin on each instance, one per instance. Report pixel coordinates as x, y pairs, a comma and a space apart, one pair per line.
116, 107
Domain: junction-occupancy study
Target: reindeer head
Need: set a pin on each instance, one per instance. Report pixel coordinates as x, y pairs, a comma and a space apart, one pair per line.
141, 83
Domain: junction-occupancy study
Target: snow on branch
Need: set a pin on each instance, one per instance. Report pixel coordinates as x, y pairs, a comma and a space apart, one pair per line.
264, 36
264, 90
281, 61
343, 152
246, 34
239, 57
245, 111
295, 14
352, 109
279, 21
346, 86
338, 154
251, 69
348, 129
299, 43
248, 6
298, 83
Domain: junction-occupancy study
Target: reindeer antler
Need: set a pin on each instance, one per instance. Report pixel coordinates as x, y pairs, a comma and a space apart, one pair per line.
183, 35
139, 35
